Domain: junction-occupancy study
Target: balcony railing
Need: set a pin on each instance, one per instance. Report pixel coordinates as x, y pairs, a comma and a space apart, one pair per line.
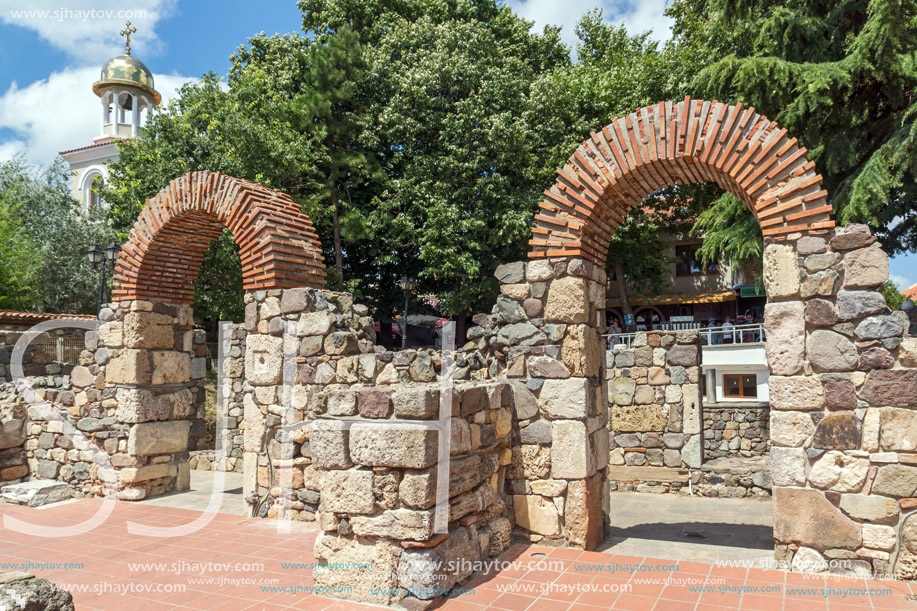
709, 336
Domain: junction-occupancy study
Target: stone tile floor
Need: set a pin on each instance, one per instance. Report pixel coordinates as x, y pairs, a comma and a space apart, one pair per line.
120, 570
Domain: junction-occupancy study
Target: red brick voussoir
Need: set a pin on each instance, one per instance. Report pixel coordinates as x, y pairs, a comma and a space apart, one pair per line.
671, 143
278, 245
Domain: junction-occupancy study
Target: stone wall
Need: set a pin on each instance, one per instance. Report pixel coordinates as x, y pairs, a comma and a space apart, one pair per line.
312, 342
654, 400
379, 488
19, 438
843, 396
736, 429
544, 335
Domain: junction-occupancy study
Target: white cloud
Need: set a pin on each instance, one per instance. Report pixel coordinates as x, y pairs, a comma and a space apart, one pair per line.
59, 113
87, 30
902, 282
638, 16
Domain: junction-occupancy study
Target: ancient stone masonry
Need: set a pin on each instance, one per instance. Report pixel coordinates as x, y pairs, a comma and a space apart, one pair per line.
316, 343
734, 429
543, 333
655, 411
217, 442
379, 489
843, 393
142, 374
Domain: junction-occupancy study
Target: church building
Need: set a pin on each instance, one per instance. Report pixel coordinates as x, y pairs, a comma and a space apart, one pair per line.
126, 92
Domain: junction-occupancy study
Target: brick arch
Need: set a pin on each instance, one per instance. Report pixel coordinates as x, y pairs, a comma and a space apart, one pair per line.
670, 143
277, 243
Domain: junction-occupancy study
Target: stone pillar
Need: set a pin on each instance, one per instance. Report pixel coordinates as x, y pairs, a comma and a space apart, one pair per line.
144, 353
546, 325
843, 394
380, 493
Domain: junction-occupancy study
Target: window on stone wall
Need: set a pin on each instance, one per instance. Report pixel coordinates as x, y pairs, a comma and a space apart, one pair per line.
740, 386
688, 261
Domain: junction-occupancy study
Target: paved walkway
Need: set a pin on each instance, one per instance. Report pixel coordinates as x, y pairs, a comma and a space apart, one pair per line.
118, 570
675, 527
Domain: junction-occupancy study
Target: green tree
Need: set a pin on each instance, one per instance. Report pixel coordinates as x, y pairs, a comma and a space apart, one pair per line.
43, 241
838, 74
893, 297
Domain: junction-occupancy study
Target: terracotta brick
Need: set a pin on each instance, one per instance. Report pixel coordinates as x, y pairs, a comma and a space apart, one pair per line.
278, 245
677, 143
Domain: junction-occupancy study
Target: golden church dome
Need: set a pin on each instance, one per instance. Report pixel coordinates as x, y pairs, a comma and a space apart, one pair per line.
124, 70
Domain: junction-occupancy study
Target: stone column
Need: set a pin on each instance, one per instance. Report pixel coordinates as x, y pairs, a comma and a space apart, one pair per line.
144, 352
546, 326
843, 394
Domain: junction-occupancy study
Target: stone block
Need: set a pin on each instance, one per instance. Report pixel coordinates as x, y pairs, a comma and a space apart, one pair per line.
571, 451
384, 446
568, 301
898, 430
357, 569
638, 418
865, 268
804, 516
170, 367
129, 366
564, 398
870, 508
330, 448
158, 437
830, 351
341, 403
820, 283
583, 514
315, 323
36, 493
425, 572
682, 355
796, 392
148, 330
374, 403
781, 270
581, 351
621, 391
840, 395
820, 312
416, 403
791, 429
546, 367
139, 405
349, 491
785, 327
896, 480
263, 360
839, 472
788, 466
510, 273
891, 387
837, 431
536, 514
854, 305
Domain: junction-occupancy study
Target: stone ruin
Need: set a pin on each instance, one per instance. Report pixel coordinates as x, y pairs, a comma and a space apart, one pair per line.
543, 421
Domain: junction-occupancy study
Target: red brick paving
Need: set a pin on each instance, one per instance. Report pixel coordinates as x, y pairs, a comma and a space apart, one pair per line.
106, 551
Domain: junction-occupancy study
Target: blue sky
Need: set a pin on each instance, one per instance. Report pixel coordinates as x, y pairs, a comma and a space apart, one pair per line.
49, 60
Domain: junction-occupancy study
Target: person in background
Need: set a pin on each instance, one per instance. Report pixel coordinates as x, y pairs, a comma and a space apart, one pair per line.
614, 329
728, 333
714, 337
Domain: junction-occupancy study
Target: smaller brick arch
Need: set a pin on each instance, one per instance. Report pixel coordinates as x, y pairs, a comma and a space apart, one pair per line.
691, 141
277, 243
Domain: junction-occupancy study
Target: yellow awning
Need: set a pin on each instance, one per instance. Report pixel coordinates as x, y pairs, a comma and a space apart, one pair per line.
676, 298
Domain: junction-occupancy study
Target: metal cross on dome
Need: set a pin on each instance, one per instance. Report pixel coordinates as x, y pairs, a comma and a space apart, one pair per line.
127, 31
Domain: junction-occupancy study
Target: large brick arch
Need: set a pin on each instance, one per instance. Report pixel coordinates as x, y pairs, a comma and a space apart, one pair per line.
277, 242
669, 143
